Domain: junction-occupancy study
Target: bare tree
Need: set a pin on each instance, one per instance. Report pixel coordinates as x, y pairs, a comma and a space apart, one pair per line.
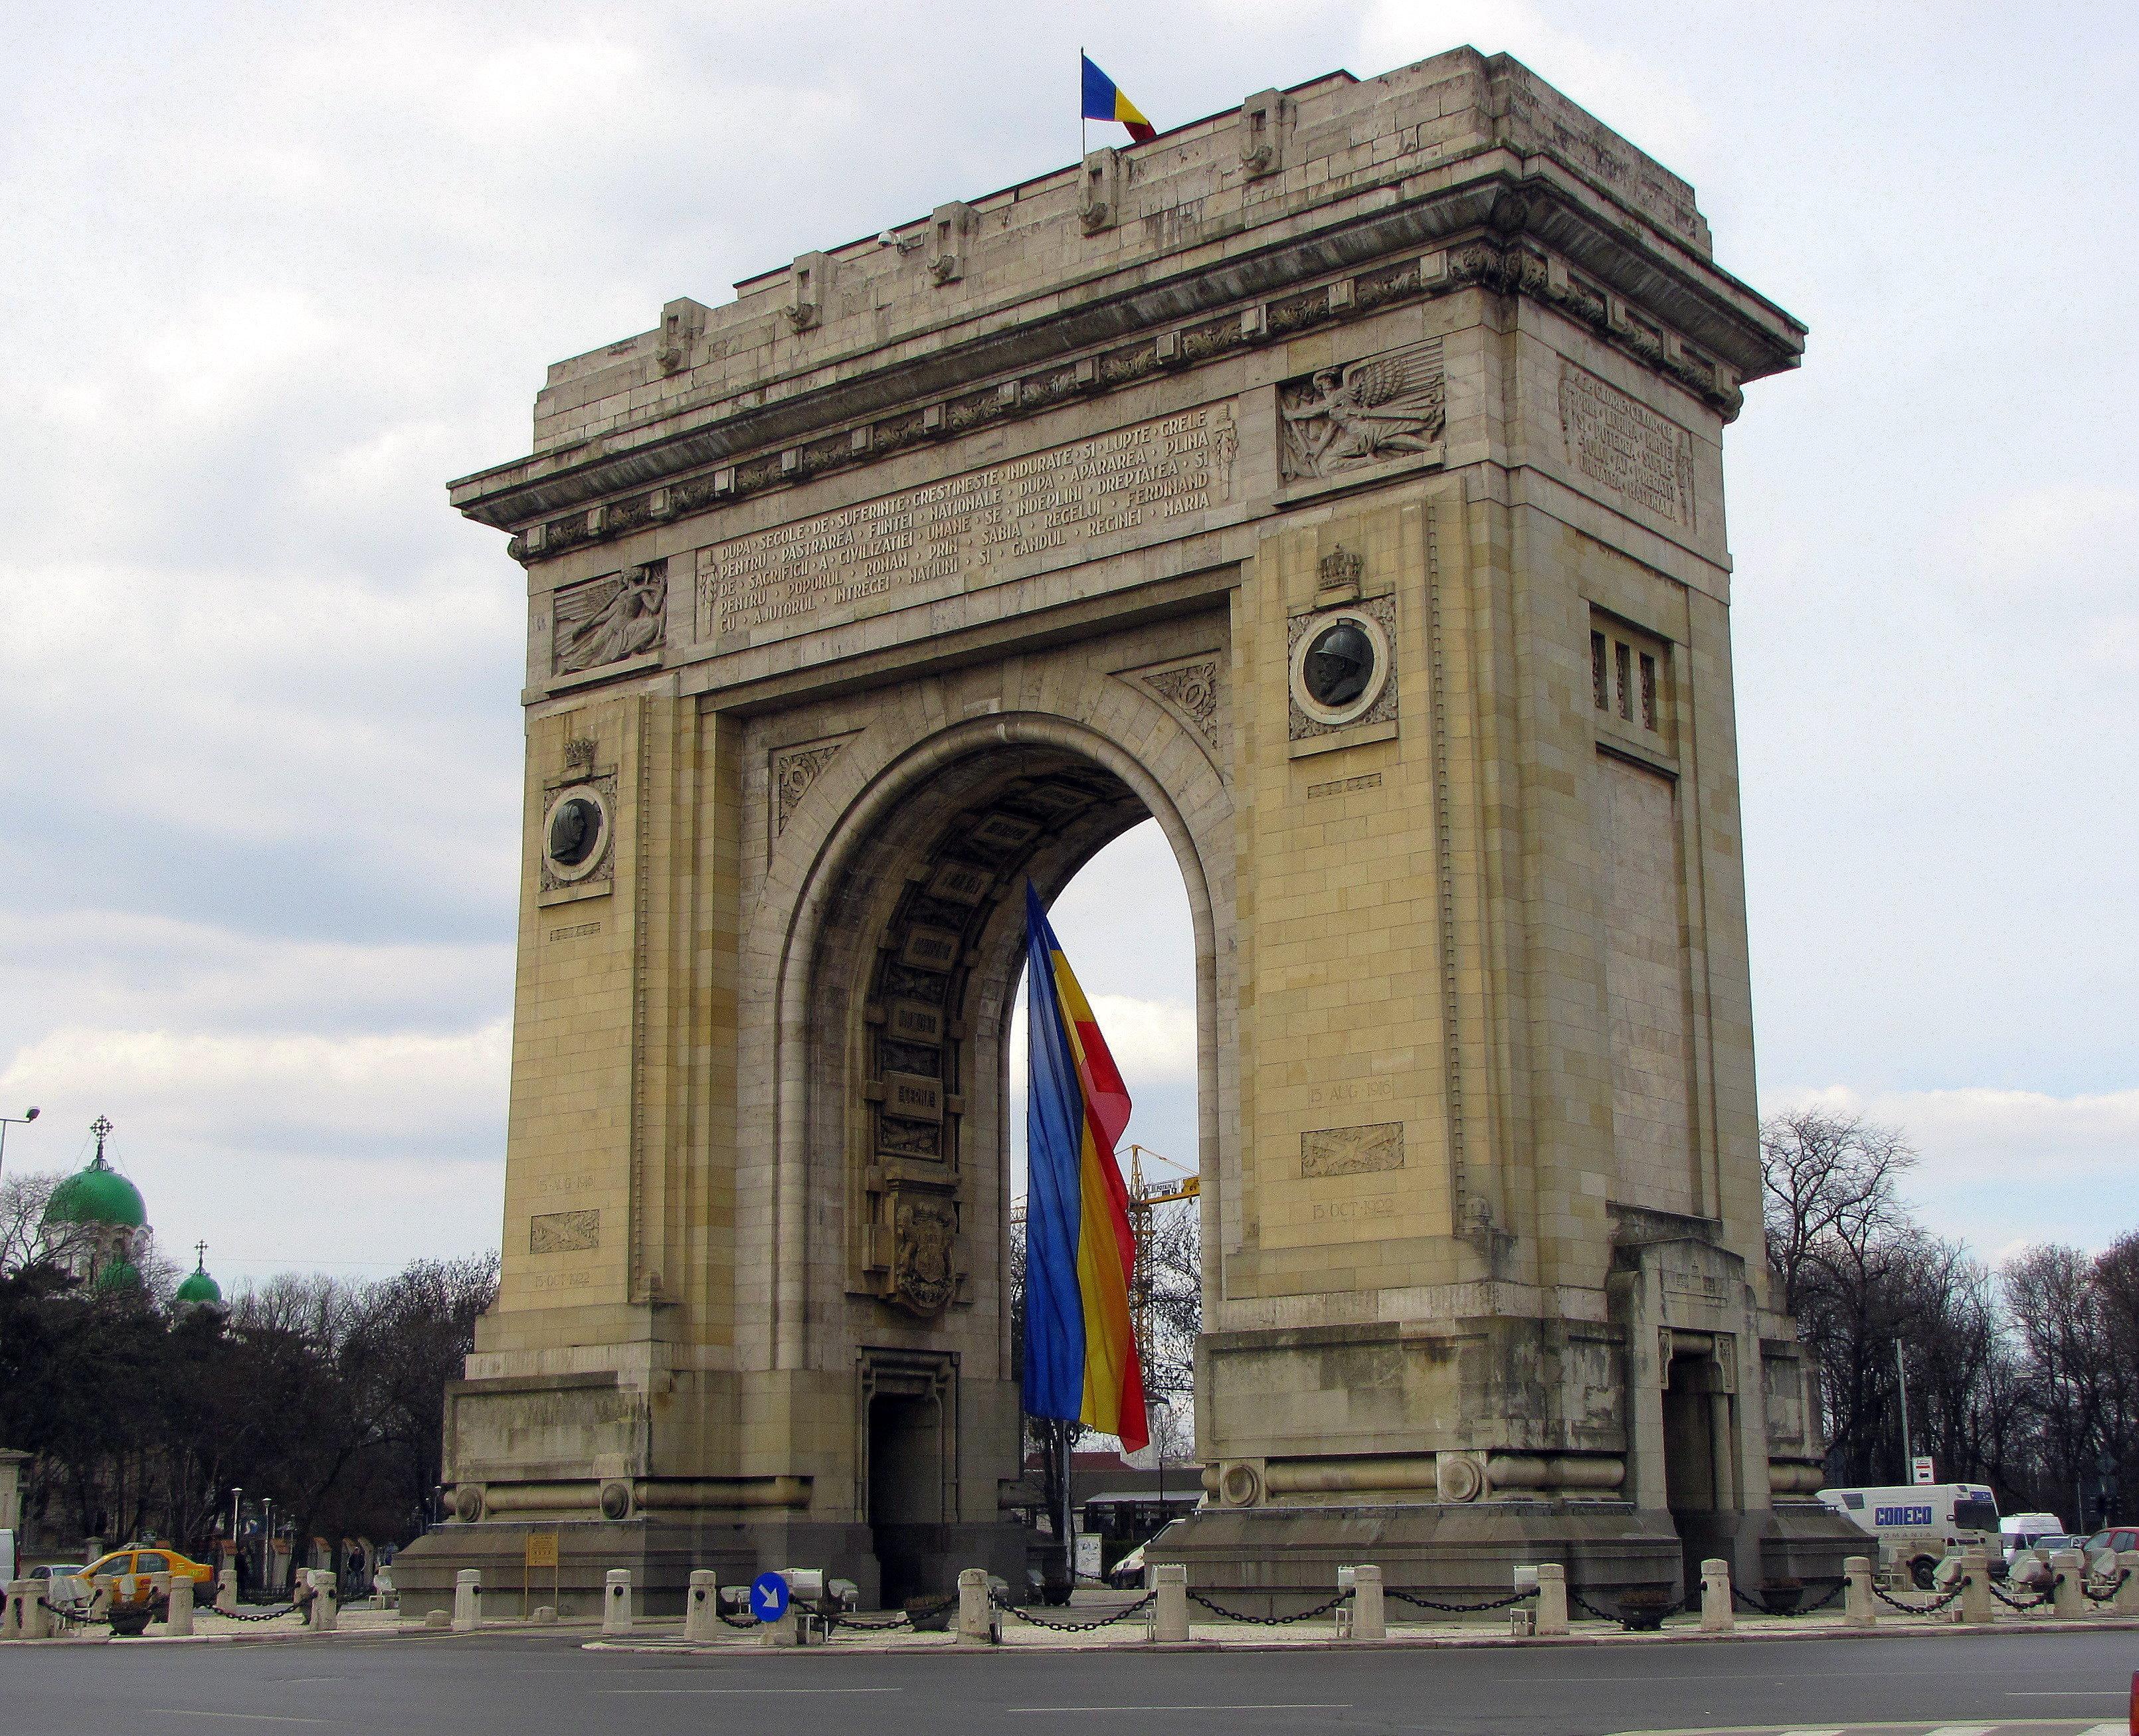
1829, 1190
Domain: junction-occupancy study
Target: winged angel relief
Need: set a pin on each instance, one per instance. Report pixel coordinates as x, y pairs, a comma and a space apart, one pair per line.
607, 618
1385, 407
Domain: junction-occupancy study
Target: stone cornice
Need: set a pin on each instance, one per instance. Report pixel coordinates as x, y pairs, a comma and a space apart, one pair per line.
1511, 225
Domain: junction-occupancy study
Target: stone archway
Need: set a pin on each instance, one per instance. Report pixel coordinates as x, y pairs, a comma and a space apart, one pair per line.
1341, 484
902, 952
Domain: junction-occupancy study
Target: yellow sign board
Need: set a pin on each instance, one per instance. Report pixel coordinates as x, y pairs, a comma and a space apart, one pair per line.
542, 1549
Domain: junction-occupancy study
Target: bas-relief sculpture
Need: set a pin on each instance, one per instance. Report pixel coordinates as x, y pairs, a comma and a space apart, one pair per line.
1140, 491
604, 620
1385, 407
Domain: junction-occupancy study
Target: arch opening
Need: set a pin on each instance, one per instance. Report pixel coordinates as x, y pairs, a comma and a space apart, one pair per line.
911, 1119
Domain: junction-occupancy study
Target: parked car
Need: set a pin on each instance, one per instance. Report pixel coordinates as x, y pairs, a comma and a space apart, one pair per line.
1128, 1574
136, 1565
2117, 1538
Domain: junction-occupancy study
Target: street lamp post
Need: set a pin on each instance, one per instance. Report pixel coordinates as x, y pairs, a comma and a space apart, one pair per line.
10, 1121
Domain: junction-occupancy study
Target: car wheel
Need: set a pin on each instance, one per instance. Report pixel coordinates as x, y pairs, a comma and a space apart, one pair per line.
1921, 1571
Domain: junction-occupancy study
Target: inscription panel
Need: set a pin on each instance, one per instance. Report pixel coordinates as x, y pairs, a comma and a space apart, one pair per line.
1617, 441
967, 527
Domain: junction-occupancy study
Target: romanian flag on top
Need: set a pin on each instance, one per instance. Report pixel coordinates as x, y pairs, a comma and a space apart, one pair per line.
1080, 1354
1105, 101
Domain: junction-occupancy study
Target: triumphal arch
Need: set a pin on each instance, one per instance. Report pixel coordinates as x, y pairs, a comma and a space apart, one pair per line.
1337, 481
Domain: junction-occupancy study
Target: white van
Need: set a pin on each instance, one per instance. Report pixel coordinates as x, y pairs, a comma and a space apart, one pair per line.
1917, 1524
2020, 1531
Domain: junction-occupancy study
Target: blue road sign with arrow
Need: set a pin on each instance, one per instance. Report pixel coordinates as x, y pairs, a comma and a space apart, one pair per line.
768, 1597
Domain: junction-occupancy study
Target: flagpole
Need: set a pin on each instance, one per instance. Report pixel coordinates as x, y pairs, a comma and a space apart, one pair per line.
1083, 146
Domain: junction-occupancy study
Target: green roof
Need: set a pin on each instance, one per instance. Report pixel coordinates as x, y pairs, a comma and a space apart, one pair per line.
199, 1287
98, 1195
118, 1275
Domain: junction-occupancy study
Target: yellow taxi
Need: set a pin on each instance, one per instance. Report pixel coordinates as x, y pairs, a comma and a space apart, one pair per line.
130, 1569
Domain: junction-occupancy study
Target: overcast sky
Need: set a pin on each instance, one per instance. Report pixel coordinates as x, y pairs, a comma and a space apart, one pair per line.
275, 273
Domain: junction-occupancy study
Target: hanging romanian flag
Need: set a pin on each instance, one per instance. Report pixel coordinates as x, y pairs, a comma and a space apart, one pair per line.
1080, 1353
1105, 101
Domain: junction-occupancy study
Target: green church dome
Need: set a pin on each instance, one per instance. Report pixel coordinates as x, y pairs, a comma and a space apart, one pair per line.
98, 1195
199, 1287
117, 1275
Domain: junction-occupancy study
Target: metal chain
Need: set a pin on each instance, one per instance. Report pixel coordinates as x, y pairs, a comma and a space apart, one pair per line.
1080, 1627
2034, 1602
1319, 1609
2107, 1591
736, 1620
1932, 1608
1760, 1605
1458, 1609
269, 1616
1663, 1615
901, 1620
80, 1618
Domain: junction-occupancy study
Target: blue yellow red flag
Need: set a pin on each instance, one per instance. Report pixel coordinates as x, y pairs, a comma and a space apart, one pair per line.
1080, 1353
1103, 101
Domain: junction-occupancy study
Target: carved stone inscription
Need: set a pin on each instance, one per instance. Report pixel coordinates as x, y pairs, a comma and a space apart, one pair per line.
1628, 447
965, 525
563, 1232
1351, 1151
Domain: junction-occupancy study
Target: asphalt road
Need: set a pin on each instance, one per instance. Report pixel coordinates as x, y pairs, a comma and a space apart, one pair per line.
534, 1686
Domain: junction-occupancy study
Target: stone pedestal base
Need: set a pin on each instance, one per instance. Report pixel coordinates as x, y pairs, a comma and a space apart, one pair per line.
1277, 1560
662, 1552
1274, 1560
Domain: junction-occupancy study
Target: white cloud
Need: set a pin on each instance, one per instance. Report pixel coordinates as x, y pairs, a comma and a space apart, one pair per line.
2005, 1168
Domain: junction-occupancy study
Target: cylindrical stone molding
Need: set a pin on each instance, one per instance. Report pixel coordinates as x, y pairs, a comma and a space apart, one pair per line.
974, 1627
702, 1608
1551, 1598
226, 1591
616, 1601
2068, 1586
467, 1600
1369, 1616
1975, 1586
1169, 1608
1857, 1609
1715, 1617
326, 1601
179, 1618
2127, 1591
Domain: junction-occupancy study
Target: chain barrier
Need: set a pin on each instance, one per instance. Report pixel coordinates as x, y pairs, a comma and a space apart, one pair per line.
2107, 1591
266, 1615
1760, 1606
69, 1614
1458, 1609
1123, 1614
1932, 1608
2035, 1602
1659, 1616
1319, 1609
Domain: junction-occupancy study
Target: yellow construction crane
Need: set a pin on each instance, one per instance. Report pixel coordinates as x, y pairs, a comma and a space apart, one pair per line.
1144, 1198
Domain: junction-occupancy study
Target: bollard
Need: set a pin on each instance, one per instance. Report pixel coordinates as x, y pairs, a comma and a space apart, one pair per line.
546, 1615
1975, 1586
28, 1609
1169, 1608
467, 1600
439, 1618
1715, 1617
226, 1591
616, 1601
178, 1616
1369, 1620
2127, 1602
976, 1623
2068, 1585
326, 1601
787, 1631
701, 1621
1551, 1598
1858, 1609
